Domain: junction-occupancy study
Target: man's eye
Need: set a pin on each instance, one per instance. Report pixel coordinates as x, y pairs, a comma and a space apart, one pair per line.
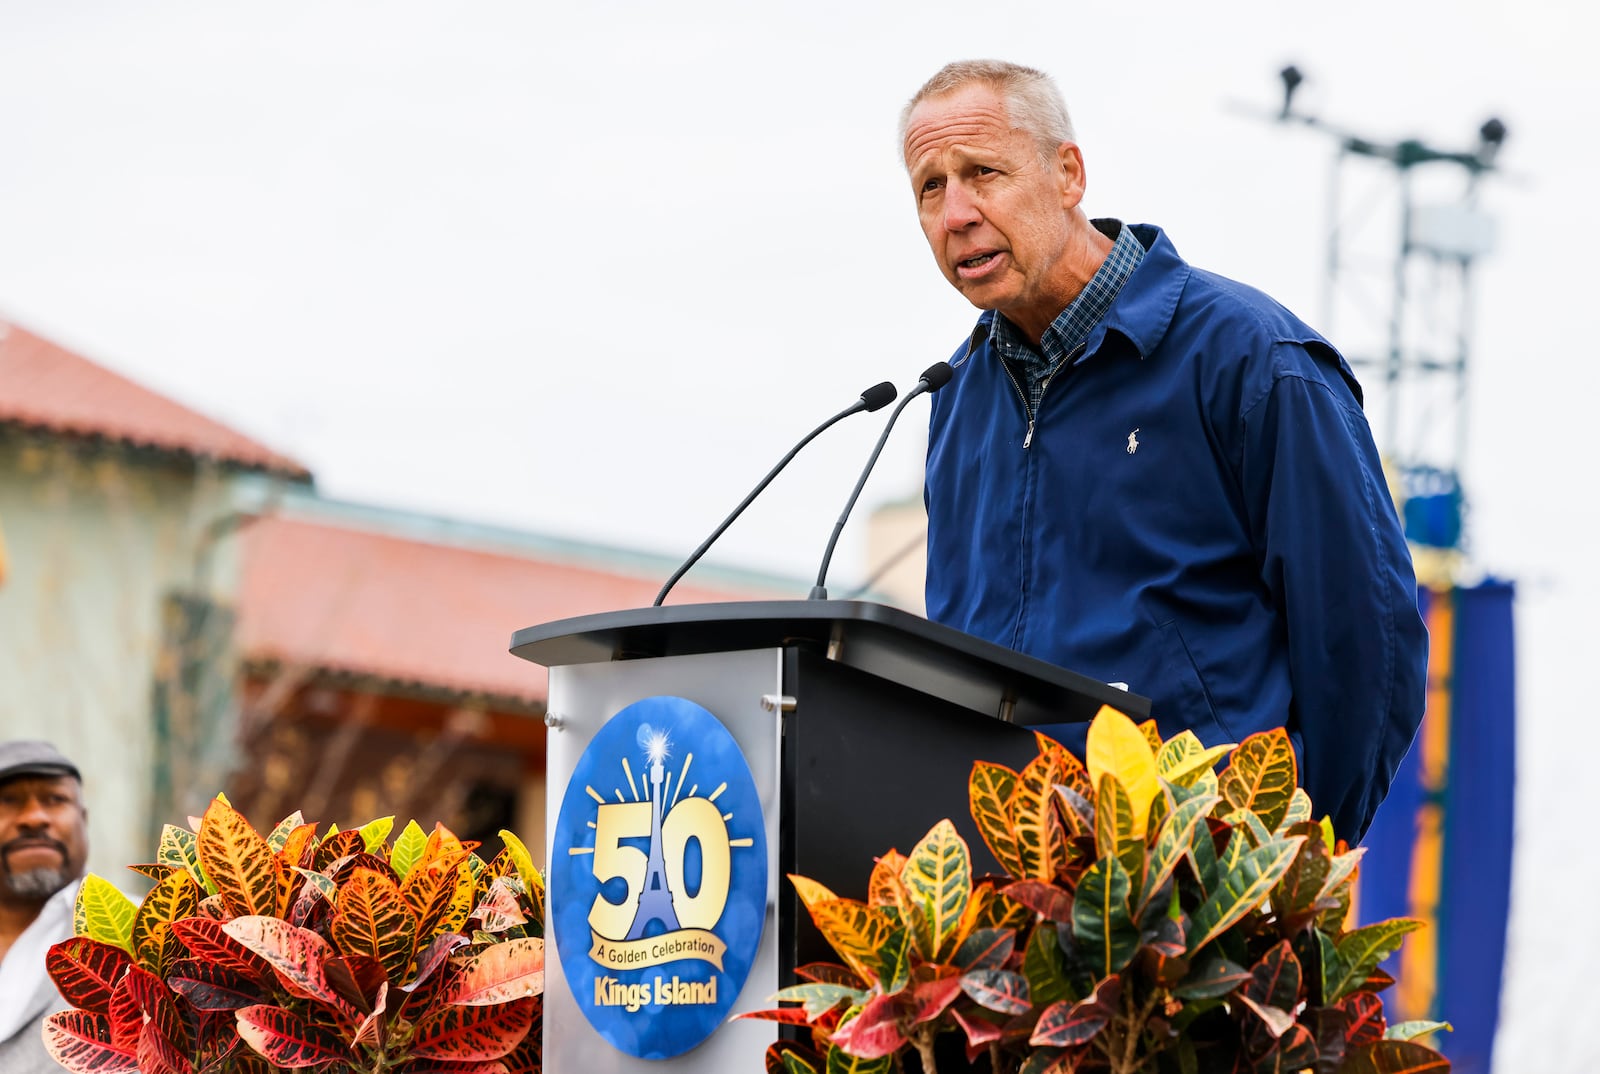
931, 185
984, 169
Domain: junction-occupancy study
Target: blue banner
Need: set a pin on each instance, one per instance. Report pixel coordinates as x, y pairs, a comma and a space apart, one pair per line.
1439, 848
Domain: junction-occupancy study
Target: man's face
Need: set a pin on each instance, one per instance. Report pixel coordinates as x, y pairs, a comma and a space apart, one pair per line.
995, 210
44, 840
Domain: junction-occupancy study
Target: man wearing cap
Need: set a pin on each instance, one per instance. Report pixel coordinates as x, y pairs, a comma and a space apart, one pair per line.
44, 843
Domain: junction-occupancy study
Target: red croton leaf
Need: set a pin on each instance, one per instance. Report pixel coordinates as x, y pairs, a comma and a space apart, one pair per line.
210, 987
155, 1004
287, 1040
80, 1041
1364, 1018
1068, 1022
296, 955
85, 971
875, 1032
998, 990
462, 1034
1042, 898
789, 1016
1394, 1057
497, 973
159, 1055
930, 998
829, 973
207, 942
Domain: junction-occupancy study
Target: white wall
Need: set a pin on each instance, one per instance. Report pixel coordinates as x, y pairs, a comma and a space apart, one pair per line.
94, 540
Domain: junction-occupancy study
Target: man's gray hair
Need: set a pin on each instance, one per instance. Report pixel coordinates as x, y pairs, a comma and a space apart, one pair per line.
1033, 102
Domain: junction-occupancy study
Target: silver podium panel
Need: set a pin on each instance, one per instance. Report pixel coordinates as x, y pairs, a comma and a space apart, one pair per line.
582, 698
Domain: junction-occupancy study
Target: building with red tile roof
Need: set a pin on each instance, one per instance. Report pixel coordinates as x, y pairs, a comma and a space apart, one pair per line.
46, 387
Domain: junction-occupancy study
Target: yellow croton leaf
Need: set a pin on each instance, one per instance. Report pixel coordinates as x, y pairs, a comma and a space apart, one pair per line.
1117, 746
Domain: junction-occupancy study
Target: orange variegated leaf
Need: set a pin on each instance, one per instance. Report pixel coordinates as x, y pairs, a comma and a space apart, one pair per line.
154, 945
371, 917
812, 894
1261, 776
298, 845
885, 879
938, 874
1116, 745
239, 862
1151, 735
855, 930
989, 789
1041, 841
429, 889
459, 908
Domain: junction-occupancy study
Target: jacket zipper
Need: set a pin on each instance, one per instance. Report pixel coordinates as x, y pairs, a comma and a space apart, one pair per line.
1066, 363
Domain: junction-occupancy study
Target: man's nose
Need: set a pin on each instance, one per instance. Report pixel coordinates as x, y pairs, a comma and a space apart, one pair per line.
960, 208
33, 814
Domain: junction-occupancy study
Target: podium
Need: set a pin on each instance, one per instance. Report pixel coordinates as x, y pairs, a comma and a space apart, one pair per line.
859, 724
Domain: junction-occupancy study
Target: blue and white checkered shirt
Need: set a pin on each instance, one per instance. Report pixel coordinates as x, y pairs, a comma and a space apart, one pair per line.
1068, 331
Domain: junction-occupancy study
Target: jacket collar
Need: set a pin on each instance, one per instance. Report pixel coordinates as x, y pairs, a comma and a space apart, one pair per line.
1143, 310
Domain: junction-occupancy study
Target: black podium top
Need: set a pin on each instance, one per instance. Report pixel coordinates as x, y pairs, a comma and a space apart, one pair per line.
874, 638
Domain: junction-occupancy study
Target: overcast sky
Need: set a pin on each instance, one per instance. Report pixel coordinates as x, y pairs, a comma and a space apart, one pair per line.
590, 269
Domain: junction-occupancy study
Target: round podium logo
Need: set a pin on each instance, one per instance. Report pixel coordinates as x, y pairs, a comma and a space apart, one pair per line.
658, 877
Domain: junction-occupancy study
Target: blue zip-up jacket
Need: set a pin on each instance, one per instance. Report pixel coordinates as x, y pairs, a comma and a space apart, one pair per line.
1198, 511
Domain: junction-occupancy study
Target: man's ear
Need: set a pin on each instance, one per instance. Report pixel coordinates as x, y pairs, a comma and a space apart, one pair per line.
1070, 170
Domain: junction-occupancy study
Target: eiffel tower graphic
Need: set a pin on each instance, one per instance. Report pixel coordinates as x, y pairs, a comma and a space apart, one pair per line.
655, 900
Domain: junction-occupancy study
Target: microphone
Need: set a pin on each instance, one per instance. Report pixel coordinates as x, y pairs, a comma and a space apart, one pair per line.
876, 397
933, 378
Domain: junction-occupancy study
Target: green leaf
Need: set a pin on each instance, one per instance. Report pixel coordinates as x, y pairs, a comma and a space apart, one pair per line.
103, 913
1418, 1028
1117, 834
1175, 839
842, 1062
1261, 776
1183, 758
1299, 811
1044, 964
1360, 951
819, 998
1243, 888
1213, 980
938, 875
408, 848
375, 833
279, 836
998, 990
1102, 922
180, 847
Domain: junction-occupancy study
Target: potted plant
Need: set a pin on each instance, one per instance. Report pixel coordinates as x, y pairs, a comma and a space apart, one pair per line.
1154, 916
337, 950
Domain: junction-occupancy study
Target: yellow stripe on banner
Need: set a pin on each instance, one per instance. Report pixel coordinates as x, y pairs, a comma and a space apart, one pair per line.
1419, 958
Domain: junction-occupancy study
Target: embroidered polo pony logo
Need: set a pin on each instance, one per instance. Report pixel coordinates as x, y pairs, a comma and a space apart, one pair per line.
1133, 441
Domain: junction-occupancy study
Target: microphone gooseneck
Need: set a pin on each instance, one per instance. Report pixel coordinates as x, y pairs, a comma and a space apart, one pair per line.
874, 398
933, 378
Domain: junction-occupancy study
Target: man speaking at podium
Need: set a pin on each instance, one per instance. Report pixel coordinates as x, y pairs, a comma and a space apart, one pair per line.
1148, 473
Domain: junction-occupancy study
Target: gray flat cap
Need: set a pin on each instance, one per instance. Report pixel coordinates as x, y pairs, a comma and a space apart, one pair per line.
32, 757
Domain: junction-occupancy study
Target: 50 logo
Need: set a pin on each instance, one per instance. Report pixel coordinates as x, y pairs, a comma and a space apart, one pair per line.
659, 877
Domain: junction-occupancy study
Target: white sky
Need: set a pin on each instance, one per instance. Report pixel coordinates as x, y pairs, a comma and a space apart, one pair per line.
590, 269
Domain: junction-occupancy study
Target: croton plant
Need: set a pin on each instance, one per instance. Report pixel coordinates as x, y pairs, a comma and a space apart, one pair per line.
1155, 916
339, 951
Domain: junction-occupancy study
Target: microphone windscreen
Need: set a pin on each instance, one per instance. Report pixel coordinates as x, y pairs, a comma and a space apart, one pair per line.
937, 375
878, 396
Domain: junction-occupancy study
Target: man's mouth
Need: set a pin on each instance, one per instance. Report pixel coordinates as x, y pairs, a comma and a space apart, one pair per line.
32, 844
980, 260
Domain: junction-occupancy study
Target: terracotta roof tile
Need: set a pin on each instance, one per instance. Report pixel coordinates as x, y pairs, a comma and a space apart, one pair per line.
349, 600
46, 386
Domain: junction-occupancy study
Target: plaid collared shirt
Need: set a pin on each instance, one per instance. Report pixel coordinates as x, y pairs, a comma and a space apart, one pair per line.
1068, 331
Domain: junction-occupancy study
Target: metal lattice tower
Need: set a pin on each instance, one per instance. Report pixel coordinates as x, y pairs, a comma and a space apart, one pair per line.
1405, 308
